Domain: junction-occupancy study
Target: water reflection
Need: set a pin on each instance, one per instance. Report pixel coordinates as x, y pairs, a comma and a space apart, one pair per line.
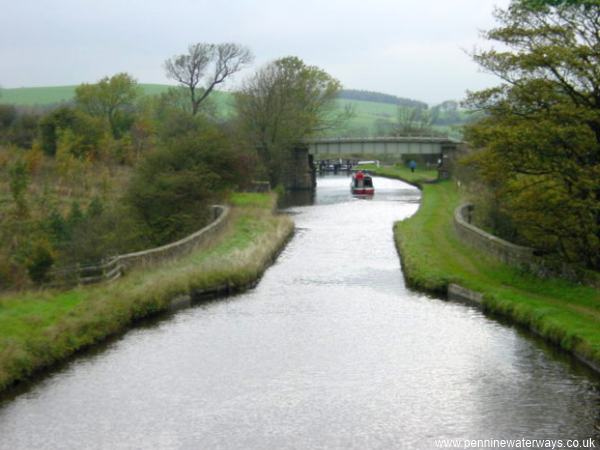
331, 350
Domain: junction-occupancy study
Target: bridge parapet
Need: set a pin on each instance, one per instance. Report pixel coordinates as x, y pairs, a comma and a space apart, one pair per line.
385, 146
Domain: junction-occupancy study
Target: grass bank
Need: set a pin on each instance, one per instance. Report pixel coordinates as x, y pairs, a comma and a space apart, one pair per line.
564, 313
401, 172
44, 327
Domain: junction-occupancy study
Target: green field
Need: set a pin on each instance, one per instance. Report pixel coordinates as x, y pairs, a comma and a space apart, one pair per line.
366, 113
45, 96
41, 96
562, 312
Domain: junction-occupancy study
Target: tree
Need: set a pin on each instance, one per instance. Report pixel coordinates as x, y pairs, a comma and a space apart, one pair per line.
40, 262
283, 103
22, 129
540, 141
414, 122
8, 114
383, 127
111, 98
51, 124
79, 130
212, 62
173, 186
19, 179
446, 113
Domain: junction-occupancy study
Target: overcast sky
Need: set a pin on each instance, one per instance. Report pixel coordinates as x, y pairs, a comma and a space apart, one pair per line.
409, 48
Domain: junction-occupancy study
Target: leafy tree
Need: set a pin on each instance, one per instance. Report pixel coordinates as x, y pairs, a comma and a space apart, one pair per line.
383, 127
112, 99
75, 216
540, 141
88, 233
283, 103
78, 132
414, 122
95, 208
23, 129
8, 114
142, 134
447, 113
174, 123
57, 227
51, 124
173, 187
18, 182
39, 262
212, 62
81, 143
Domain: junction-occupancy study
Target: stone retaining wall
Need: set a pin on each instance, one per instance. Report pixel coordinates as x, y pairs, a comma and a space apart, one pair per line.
505, 251
461, 294
114, 267
180, 247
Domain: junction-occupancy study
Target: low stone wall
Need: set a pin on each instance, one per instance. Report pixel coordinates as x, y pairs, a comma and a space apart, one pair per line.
114, 267
177, 248
459, 293
505, 251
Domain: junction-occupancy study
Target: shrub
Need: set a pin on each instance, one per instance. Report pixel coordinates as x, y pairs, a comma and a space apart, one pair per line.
171, 189
40, 262
75, 130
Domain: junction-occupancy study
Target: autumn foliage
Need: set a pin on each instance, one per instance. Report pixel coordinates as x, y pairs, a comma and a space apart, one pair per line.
538, 149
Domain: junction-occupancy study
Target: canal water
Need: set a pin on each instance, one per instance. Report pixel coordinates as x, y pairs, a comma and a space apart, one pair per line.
330, 350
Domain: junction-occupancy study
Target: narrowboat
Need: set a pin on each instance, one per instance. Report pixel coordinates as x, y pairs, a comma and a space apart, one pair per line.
362, 184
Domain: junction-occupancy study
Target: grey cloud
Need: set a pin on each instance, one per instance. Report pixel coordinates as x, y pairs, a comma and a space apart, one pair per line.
410, 48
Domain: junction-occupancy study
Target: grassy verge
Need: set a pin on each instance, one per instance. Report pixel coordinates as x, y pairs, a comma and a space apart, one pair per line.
564, 313
401, 172
44, 327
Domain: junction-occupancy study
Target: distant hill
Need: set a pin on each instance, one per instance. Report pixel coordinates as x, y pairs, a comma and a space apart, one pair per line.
379, 97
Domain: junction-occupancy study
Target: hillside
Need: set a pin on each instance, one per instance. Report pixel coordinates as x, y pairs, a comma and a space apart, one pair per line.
380, 97
46, 96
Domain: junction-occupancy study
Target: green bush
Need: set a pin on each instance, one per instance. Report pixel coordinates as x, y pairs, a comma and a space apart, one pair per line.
61, 118
173, 187
39, 263
8, 114
18, 127
78, 131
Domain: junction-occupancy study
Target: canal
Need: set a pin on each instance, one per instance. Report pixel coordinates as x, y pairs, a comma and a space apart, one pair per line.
330, 350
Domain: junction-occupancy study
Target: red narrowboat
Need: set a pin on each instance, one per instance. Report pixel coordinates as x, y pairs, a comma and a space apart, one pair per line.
362, 184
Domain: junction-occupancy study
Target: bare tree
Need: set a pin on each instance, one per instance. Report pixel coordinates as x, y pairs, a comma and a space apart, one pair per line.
191, 68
